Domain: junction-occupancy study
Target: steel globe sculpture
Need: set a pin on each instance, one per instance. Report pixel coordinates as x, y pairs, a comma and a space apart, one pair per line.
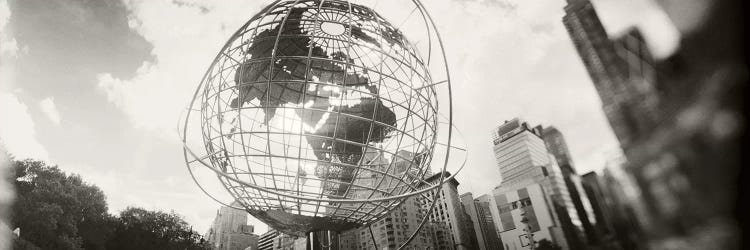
317, 115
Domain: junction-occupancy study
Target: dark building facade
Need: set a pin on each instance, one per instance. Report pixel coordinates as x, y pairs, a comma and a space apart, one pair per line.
557, 146
626, 94
678, 119
602, 212
616, 223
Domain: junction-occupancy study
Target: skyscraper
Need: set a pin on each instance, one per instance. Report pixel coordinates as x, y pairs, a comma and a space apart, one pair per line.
449, 211
485, 232
616, 215
230, 231
448, 225
392, 230
522, 156
627, 95
558, 147
663, 113
289, 242
519, 151
266, 240
602, 212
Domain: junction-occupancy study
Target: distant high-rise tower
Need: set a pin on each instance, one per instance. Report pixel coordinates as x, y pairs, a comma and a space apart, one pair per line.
617, 218
665, 114
266, 240
601, 206
520, 152
559, 148
450, 211
393, 230
523, 158
486, 233
230, 230
620, 71
448, 227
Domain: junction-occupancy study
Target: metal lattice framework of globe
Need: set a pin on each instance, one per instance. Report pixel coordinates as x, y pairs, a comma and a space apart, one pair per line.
317, 115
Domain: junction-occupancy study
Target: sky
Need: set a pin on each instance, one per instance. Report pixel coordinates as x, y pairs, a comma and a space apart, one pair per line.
97, 87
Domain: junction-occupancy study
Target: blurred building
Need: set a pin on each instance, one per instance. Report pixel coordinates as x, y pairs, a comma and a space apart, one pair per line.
230, 231
555, 142
556, 145
628, 107
486, 234
266, 240
600, 203
441, 236
289, 242
678, 118
616, 222
522, 156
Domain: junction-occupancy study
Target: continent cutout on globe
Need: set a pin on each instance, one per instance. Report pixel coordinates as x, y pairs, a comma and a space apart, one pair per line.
313, 91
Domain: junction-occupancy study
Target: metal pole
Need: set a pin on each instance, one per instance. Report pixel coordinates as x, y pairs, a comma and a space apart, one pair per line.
322, 240
310, 237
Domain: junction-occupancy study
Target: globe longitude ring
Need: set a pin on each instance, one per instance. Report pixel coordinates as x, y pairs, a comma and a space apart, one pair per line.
319, 115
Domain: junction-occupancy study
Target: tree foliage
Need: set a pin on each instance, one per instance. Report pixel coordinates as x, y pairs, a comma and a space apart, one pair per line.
545, 244
58, 211
142, 229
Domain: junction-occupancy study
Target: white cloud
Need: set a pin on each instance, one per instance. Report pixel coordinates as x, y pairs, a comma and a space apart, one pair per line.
6, 189
184, 44
50, 110
17, 132
4, 13
8, 44
185, 37
8, 47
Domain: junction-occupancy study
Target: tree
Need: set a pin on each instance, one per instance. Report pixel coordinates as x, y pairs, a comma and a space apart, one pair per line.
54, 210
545, 244
138, 228
21, 244
57, 211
